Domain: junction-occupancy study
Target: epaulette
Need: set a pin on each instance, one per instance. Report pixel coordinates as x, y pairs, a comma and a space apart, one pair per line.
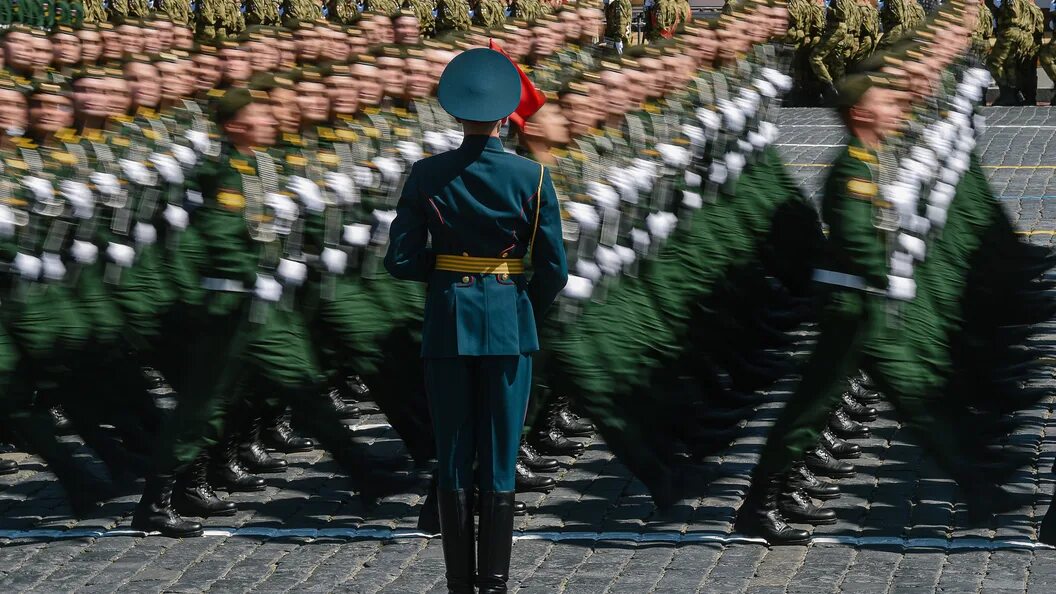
862, 155
326, 133
292, 138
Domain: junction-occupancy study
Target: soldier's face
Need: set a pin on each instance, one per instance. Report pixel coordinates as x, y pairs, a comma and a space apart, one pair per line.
571, 25
132, 39
336, 47
13, 112
516, 45
307, 46
90, 98
313, 100
357, 44
653, 76
344, 95
550, 125
151, 41
580, 113
207, 72
370, 90
182, 38
50, 113
42, 52
175, 82
615, 97
66, 49
708, 45
18, 51
881, 110
406, 30
263, 57
419, 81
91, 46
544, 42
113, 45
254, 125
144, 86
287, 52
593, 23
381, 26
236, 65
284, 109
119, 96
163, 30
393, 76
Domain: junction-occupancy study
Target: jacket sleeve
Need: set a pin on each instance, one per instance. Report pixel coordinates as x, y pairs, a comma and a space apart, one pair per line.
549, 267
408, 258
850, 220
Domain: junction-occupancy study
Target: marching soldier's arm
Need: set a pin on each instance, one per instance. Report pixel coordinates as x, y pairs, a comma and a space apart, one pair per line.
408, 258
549, 264
848, 211
229, 250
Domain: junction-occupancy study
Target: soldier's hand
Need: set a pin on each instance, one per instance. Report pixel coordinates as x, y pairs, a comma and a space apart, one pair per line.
28, 266
200, 141
144, 233
267, 288
41, 188
79, 196
137, 172
177, 217
168, 167
53, 267
410, 151
185, 155
292, 273
106, 183
334, 260
356, 234
84, 252
308, 192
341, 185
120, 254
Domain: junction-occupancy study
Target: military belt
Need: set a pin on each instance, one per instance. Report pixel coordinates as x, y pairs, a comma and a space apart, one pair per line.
225, 285
474, 265
841, 279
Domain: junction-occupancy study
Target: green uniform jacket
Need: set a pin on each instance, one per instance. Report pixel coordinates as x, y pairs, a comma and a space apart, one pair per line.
479, 201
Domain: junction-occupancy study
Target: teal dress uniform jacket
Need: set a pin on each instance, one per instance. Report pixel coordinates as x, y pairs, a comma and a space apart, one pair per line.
479, 201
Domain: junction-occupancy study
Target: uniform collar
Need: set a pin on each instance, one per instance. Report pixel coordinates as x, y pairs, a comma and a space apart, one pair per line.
480, 142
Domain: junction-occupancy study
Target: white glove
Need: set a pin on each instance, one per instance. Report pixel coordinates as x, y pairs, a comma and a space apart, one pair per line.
341, 185
390, 169
779, 79
293, 273
7, 221
578, 288
194, 197
84, 252
168, 168
436, 142
709, 119
641, 240
384, 219
695, 134
121, 254
410, 151
267, 288
584, 214
334, 260
53, 267
136, 172
901, 288
757, 140
766, 89
28, 266
608, 260
364, 177
959, 163
356, 234
454, 138
626, 254
200, 141
647, 169
144, 234
176, 217
769, 131
901, 264
588, 270
733, 117
914, 246
692, 199
734, 162
79, 196
308, 192
693, 179
937, 216
674, 156
285, 208
41, 188
718, 173
603, 194
185, 155
660, 224
106, 183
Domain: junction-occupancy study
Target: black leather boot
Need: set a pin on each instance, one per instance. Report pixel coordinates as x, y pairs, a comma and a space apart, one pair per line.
429, 516
279, 436
569, 422
797, 506
800, 477
154, 513
760, 516
820, 461
529, 482
8, 467
226, 471
252, 454
535, 461
193, 496
552, 442
1047, 530
495, 541
63, 425
857, 411
840, 449
456, 526
342, 411
857, 389
843, 426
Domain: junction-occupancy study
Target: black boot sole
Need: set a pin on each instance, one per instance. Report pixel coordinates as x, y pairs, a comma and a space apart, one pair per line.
845, 435
191, 513
804, 520
167, 533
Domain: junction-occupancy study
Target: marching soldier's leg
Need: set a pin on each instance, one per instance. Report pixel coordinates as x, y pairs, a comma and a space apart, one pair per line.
1002, 69
1047, 60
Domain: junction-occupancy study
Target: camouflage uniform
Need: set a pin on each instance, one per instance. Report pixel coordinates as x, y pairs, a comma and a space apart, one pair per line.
1015, 45
178, 11
618, 15
94, 11
899, 18
386, 7
528, 10
829, 59
423, 10
452, 15
302, 10
262, 12
868, 32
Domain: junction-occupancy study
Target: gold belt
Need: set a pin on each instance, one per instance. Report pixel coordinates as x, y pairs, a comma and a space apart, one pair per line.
474, 265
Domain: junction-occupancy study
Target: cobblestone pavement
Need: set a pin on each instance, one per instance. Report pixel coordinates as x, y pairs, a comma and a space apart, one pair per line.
901, 527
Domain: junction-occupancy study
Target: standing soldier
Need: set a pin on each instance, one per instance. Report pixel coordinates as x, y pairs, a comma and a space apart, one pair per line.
1028, 71
868, 32
1015, 44
899, 17
1047, 59
490, 14
618, 16
262, 12
983, 32
829, 58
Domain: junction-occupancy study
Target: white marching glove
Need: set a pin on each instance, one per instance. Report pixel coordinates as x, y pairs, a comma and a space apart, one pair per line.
42, 189
200, 141
121, 254
692, 199
79, 196
661, 224
608, 260
578, 288
267, 288
410, 151
334, 260
454, 138
284, 208
364, 177
603, 194
734, 162
144, 234
626, 254
185, 155
84, 252
28, 266
292, 273
709, 119
167, 167
136, 172
937, 216
435, 141
766, 89
901, 264
384, 219
588, 270
194, 197
106, 183
641, 240
341, 185
584, 214
53, 267
914, 246
718, 173
176, 217
769, 131
901, 288
390, 169
692, 179
356, 234
308, 192
676, 157
695, 134
757, 140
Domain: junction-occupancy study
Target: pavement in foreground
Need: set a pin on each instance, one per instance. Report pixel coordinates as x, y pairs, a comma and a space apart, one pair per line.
901, 525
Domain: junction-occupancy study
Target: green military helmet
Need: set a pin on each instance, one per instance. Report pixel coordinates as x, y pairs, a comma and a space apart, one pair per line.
852, 88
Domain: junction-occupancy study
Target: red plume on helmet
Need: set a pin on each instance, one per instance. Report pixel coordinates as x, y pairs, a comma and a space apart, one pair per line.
531, 98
